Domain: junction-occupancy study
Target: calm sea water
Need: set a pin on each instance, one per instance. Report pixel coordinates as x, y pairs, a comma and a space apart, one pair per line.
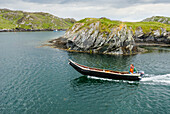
39, 80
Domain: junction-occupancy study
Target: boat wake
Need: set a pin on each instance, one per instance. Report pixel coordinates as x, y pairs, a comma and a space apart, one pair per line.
93, 77
156, 79
150, 79
113, 80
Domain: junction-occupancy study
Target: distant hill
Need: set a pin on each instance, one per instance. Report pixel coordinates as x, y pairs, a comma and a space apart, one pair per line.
10, 19
161, 19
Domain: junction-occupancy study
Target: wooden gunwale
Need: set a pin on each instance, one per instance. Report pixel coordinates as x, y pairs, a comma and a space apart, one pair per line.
100, 70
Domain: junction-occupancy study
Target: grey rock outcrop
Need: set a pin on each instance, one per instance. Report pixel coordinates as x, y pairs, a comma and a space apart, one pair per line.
102, 36
89, 39
159, 36
139, 32
161, 19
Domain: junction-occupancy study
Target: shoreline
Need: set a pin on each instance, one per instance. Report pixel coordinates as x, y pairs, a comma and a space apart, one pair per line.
30, 30
89, 52
152, 44
58, 44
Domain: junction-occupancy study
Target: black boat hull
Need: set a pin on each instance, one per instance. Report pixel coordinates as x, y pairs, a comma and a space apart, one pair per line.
104, 74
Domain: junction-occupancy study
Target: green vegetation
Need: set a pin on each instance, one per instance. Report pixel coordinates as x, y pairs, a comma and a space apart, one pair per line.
38, 20
161, 19
27, 20
106, 25
147, 26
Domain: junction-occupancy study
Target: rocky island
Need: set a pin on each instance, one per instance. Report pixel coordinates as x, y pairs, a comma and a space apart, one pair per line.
106, 36
16, 21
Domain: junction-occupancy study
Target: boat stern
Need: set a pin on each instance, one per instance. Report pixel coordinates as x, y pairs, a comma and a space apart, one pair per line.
142, 73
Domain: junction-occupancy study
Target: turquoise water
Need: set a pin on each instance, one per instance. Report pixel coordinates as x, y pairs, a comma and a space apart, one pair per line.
39, 80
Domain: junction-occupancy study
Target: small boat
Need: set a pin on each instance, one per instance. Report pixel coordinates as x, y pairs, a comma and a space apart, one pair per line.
55, 30
103, 73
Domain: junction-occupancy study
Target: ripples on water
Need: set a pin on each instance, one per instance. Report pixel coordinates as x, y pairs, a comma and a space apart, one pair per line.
39, 80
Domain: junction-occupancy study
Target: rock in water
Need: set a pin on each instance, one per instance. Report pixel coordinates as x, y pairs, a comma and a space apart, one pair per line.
90, 39
110, 37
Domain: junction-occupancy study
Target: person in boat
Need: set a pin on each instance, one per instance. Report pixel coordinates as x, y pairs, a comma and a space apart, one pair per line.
132, 69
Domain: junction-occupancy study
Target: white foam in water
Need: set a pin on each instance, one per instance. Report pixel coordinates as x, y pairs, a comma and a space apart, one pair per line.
92, 77
105, 79
157, 79
147, 79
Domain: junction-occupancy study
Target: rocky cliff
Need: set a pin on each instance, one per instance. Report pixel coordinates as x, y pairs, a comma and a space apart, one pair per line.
21, 21
161, 19
111, 37
159, 36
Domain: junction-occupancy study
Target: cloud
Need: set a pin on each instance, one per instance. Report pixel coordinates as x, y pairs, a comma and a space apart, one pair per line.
113, 3
125, 10
8, 1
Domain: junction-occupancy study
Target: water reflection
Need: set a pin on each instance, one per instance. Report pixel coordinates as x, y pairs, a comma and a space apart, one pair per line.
86, 81
157, 49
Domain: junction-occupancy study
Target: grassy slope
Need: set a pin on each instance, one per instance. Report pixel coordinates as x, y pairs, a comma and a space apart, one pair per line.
162, 19
106, 24
27, 20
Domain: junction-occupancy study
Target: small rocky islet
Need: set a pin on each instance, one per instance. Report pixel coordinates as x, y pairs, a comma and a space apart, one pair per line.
106, 36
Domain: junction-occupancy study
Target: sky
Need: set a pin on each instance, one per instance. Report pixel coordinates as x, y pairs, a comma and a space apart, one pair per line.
124, 10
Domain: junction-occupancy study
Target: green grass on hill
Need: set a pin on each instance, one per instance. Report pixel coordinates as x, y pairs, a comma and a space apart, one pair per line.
37, 20
106, 24
147, 26
161, 19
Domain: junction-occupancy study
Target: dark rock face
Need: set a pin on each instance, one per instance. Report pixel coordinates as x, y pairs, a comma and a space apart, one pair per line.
156, 36
161, 19
59, 42
119, 41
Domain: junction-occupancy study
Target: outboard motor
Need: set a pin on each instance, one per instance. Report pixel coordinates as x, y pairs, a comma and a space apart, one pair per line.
142, 73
